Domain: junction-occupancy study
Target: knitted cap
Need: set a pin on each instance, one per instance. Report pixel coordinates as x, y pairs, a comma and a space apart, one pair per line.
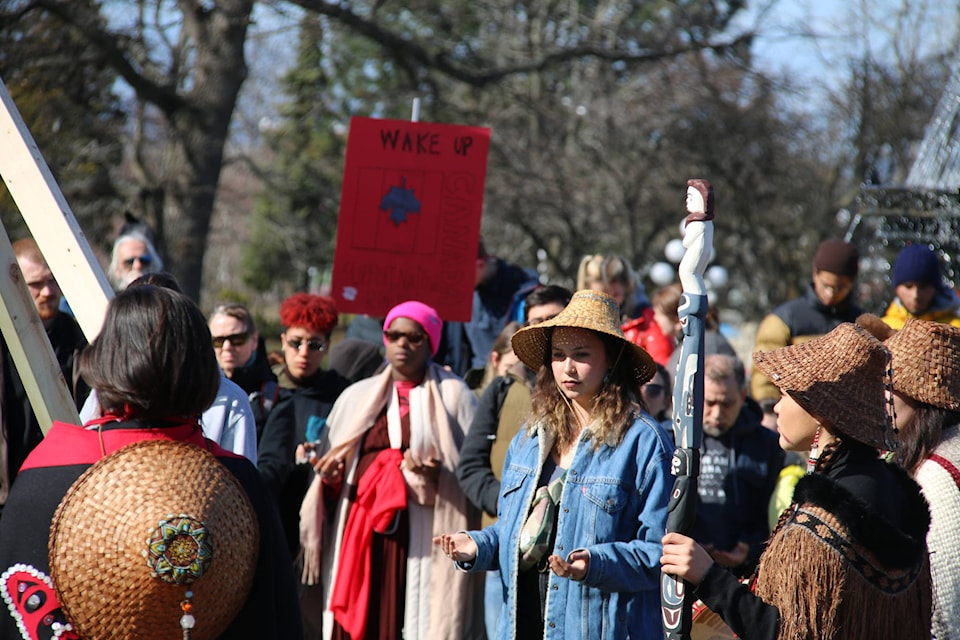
839, 379
837, 256
916, 263
587, 309
424, 315
926, 363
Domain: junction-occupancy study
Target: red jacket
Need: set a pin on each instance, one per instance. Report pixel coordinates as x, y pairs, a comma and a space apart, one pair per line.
381, 492
645, 332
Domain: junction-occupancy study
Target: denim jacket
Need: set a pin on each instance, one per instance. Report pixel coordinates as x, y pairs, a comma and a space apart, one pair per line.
614, 505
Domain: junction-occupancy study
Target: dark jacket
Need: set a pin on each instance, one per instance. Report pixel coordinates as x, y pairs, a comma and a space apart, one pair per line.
504, 407
738, 473
299, 416
271, 610
22, 428
468, 345
796, 321
875, 512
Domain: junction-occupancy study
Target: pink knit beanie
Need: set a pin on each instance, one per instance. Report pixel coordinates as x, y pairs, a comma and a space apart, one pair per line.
425, 315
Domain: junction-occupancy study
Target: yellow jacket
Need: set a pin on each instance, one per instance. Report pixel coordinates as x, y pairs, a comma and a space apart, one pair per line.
897, 315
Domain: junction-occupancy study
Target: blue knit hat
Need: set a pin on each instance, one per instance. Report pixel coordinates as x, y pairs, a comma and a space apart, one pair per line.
916, 263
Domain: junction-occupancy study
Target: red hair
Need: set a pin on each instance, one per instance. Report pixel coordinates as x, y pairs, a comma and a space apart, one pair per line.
313, 312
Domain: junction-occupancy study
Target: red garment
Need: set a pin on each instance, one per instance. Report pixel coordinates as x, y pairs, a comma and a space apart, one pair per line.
381, 492
645, 332
76, 445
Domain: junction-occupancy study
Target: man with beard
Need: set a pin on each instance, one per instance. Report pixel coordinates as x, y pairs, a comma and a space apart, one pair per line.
133, 255
21, 430
740, 461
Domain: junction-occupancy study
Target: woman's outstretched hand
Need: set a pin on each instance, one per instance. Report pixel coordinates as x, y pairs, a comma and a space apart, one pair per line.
684, 558
459, 547
575, 569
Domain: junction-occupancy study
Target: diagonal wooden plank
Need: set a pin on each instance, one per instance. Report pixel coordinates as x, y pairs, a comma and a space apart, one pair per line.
73, 263
51, 221
29, 346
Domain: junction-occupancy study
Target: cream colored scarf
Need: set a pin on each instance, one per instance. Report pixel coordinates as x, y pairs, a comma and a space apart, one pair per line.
436, 430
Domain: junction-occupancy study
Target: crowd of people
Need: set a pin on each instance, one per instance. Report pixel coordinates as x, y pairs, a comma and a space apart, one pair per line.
506, 477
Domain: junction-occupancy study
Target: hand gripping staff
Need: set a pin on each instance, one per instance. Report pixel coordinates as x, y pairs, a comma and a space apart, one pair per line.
688, 396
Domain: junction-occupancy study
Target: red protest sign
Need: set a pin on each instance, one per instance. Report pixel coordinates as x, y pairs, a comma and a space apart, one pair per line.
409, 222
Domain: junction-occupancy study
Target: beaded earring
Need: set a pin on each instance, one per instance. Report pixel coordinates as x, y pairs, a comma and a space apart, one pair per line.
891, 442
814, 451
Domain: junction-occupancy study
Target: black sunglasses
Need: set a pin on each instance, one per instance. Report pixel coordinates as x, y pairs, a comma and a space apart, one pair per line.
414, 338
145, 260
312, 345
236, 339
653, 389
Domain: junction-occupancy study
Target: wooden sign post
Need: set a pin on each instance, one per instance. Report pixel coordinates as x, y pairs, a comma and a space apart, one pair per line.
72, 261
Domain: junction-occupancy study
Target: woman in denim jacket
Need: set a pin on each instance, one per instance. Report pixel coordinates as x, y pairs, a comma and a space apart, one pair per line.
597, 576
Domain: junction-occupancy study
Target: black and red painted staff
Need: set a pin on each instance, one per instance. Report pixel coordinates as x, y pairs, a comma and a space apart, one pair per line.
675, 600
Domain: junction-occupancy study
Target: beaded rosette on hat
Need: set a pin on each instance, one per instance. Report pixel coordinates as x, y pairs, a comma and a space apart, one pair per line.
926, 363
840, 378
156, 540
587, 309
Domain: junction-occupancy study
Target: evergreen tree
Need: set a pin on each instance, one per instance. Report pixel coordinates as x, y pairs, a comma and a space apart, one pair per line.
294, 224
64, 91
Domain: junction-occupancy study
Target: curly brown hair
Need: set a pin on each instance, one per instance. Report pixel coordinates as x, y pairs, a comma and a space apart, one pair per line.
617, 399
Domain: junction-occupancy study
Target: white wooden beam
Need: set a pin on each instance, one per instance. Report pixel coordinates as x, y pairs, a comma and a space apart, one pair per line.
73, 263
29, 345
50, 220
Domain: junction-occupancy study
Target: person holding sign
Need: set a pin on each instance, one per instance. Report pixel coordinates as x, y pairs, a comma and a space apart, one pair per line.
385, 470
849, 558
584, 491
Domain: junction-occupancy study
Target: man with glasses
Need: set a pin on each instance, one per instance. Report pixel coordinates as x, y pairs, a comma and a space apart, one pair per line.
133, 256
242, 355
830, 300
740, 462
20, 430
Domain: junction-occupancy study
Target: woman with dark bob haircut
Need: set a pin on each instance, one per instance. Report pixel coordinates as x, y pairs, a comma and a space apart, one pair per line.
155, 373
153, 356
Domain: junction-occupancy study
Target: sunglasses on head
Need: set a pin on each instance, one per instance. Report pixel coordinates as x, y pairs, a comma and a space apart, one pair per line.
236, 339
312, 345
414, 338
144, 260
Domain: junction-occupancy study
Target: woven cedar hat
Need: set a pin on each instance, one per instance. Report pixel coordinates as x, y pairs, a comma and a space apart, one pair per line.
139, 531
587, 309
926, 363
838, 378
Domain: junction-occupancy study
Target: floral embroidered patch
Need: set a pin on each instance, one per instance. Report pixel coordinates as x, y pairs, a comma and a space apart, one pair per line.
179, 550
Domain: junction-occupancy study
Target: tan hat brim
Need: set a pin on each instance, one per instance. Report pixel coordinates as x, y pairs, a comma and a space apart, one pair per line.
587, 310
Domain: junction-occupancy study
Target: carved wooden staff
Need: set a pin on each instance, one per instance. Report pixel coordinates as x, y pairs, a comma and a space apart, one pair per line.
688, 396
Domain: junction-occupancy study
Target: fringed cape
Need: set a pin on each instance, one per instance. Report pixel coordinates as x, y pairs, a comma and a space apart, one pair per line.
835, 569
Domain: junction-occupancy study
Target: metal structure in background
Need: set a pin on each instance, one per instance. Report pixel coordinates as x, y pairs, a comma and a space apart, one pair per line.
926, 209
887, 219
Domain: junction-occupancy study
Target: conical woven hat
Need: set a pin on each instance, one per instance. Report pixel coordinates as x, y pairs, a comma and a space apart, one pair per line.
926, 363
587, 309
839, 379
139, 529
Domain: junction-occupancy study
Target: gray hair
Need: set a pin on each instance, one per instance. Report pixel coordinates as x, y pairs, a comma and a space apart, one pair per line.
721, 367
155, 266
